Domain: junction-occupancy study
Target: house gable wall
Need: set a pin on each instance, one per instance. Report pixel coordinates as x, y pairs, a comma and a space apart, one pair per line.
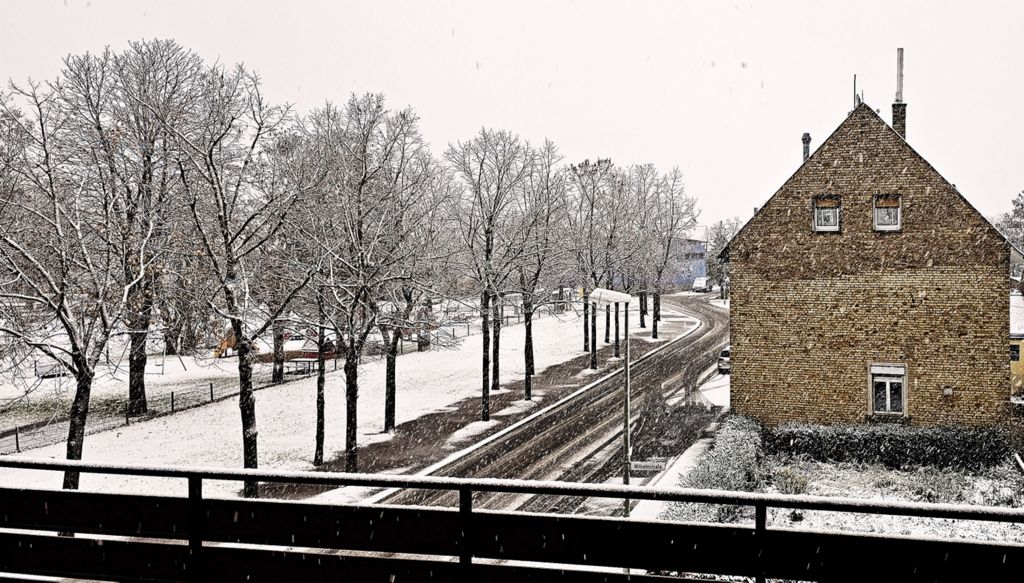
811, 311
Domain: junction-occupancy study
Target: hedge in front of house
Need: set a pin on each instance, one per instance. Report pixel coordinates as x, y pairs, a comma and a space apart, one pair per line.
894, 446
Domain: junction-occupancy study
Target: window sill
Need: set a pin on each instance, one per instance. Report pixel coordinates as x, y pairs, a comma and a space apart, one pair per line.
887, 418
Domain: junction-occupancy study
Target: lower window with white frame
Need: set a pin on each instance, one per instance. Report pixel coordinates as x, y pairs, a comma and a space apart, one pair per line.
888, 388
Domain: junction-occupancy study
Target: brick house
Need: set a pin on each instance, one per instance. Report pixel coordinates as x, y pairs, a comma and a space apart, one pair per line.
869, 289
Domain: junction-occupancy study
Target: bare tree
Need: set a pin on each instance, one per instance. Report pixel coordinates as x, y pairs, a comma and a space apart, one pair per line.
590, 183
493, 167
418, 278
244, 170
543, 207
117, 102
65, 287
718, 236
378, 174
674, 214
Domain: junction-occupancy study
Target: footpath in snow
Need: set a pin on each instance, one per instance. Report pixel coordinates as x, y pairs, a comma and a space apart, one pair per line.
716, 391
430, 383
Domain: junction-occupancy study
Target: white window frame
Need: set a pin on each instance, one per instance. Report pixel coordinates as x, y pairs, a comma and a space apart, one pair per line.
887, 372
827, 228
899, 215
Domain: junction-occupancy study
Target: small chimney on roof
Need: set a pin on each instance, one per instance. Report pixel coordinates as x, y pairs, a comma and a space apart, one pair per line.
899, 109
807, 146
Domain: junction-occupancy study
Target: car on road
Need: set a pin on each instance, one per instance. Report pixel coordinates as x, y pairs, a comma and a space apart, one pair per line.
724, 363
702, 284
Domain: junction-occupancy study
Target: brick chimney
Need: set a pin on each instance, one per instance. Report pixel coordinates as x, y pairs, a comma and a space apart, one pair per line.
899, 109
807, 146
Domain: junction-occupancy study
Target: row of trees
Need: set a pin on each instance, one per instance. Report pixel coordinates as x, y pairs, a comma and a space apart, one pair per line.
148, 192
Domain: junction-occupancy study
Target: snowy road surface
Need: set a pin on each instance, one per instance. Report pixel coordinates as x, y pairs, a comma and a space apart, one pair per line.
571, 442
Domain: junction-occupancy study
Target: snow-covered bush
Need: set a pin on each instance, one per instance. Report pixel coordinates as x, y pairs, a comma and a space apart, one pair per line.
735, 462
894, 446
791, 481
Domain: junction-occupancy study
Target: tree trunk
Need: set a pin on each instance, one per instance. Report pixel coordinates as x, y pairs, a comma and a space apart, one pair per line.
246, 407
496, 307
139, 323
390, 386
643, 309
172, 339
485, 330
351, 418
277, 376
321, 361
617, 329
79, 413
528, 346
607, 324
655, 318
586, 322
593, 335
423, 331
137, 372
657, 306
528, 343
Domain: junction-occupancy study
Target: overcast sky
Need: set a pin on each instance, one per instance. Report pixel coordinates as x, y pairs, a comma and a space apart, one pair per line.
723, 90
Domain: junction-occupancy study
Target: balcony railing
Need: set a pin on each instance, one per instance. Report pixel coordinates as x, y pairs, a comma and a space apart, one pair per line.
128, 537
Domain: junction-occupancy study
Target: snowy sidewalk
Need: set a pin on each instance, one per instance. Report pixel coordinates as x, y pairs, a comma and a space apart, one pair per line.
716, 391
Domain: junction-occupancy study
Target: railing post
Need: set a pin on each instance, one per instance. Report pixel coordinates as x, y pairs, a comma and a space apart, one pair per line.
760, 532
211, 392
17, 440
172, 401
196, 568
466, 518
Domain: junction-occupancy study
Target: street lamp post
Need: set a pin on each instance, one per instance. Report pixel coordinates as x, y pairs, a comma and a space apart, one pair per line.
607, 297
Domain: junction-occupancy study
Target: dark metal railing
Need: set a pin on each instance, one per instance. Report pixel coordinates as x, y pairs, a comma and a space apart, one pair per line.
759, 551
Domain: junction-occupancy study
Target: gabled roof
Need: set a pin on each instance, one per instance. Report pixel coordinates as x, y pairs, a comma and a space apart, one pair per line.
864, 107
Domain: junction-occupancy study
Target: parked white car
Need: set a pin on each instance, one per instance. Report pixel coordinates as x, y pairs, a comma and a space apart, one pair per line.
701, 285
725, 360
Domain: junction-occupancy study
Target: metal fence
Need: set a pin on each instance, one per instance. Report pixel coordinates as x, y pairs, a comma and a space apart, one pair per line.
135, 537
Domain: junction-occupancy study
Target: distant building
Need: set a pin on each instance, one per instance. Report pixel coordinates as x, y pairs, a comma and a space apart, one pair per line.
868, 289
693, 259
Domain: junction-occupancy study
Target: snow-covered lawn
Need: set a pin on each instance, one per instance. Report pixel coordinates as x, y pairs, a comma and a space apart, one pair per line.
42, 398
1000, 486
735, 460
210, 435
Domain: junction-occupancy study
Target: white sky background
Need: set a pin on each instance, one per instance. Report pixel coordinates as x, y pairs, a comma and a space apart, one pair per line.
723, 90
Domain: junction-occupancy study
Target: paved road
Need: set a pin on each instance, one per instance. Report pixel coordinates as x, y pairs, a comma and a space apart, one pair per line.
578, 441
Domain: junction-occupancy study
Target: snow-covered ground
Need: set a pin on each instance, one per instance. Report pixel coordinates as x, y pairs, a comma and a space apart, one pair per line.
1000, 486
210, 435
163, 375
716, 390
